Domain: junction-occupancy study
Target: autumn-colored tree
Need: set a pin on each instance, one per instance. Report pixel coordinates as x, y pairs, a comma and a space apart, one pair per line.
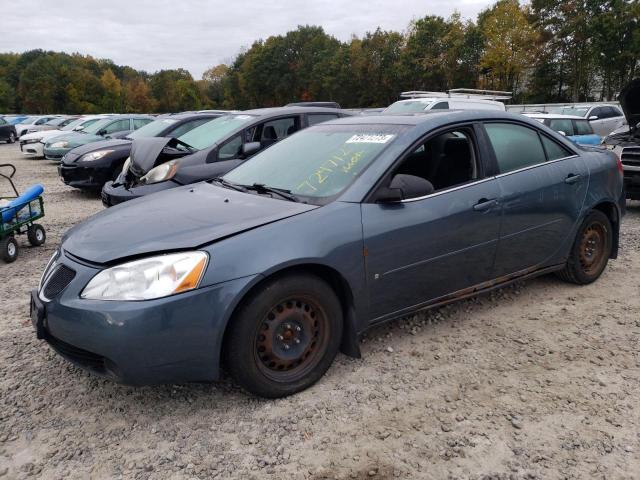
137, 97
112, 96
509, 45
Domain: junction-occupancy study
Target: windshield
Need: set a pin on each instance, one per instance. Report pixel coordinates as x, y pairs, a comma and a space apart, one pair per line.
318, 162
80, 121
56, 121
212, 132
578, 111
97, 126
152, 129
407, 107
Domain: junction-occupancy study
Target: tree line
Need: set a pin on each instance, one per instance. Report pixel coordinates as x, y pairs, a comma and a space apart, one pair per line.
543, 51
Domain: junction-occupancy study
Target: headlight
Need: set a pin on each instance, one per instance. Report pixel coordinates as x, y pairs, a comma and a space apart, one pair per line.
149, 278
59, 145
32, 140
90, 157
161, 172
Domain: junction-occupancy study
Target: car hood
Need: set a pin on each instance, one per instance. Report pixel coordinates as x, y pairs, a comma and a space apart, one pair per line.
630, 102
177, 219
77, 139
40, 134
145, 152
102, 145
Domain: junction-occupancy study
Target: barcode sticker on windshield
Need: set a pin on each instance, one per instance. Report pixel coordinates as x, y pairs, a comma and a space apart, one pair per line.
370, 138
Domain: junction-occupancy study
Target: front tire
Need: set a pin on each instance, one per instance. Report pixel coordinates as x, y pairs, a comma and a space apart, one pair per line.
591, 250
284, 336
12, 138
9, 249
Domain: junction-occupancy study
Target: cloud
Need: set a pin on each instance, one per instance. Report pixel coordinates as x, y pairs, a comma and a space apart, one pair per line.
196, 34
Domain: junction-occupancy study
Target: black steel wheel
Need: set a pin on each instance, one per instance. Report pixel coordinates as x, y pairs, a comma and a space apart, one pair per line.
9, 249
36, 235
284, 336
591, 250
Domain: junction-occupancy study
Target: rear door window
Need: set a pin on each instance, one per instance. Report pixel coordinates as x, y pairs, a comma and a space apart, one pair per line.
140, 122
441, 106
553, 149
613, 112
315, 118
597, 112
582, 127
119, 126
562, 125
515, 146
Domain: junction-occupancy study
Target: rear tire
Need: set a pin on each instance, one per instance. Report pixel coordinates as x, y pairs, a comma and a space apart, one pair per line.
590, 251
284, 337
36, 235
9, 249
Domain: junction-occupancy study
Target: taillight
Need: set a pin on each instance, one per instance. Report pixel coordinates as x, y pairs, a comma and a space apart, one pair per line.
619, 163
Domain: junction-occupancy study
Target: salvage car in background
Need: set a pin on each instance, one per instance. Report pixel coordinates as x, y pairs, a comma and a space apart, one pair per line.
91, 166
114, 126
455, 99
7, 132
209, 151
296, 252
576, 129
32, 144
603, 118
53, 124
29, 122
625, 141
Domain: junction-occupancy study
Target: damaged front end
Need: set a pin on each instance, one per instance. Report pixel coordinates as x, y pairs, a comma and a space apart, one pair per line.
152, 160
625, 141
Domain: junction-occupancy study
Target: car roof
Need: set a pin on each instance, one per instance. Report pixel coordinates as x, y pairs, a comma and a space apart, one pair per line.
275, 111
127, 115
553, 116
435, 117
188, 115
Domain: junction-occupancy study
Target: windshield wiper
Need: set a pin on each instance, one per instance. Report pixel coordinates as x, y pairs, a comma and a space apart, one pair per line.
228, 184
262, 188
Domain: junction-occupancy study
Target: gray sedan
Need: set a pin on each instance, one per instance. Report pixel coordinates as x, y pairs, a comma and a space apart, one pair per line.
289, 258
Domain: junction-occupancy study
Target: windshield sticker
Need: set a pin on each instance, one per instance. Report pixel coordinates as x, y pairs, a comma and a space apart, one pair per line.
370, 138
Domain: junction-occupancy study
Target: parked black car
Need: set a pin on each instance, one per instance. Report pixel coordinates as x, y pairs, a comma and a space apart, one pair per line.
90, 166
209, 151
7, 131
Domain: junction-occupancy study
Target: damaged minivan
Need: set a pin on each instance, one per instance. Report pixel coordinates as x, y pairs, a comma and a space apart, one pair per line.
289, 258
209, 151
625, 141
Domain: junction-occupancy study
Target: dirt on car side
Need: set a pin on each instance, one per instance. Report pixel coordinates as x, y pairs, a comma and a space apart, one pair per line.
538, 380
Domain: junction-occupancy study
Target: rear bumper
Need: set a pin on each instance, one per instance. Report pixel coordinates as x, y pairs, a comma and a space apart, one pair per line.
114, 195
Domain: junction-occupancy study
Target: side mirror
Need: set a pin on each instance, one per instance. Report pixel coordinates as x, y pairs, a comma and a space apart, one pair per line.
250, 148
403, 187
102, 132
593, 117
78, 128
564, 134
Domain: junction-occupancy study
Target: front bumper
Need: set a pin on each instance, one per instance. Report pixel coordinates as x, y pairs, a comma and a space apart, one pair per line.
80, 176
167, 340
55, 153
116, 194
35, 149
632, 184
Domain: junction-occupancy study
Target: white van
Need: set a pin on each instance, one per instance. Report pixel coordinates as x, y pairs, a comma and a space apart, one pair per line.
453, 100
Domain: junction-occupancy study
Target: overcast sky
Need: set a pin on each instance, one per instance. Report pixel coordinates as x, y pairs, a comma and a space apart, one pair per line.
196, 34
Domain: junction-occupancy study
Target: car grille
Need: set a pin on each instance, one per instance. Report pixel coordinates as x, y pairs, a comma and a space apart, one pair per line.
631, 156
83, 358
58, 281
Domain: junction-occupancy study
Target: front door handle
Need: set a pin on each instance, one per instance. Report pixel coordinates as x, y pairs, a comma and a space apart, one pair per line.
571, 179
485, 204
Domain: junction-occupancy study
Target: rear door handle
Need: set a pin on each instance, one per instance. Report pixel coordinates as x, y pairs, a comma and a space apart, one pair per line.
571, 179
485, 204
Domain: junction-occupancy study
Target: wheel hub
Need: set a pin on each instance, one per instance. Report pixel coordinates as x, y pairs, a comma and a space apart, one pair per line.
288, 336
591, 248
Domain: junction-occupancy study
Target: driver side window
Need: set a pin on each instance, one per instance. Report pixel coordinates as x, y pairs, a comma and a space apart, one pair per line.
446, 160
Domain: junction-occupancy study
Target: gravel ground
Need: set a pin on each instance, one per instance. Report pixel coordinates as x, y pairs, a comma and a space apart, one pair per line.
539, 380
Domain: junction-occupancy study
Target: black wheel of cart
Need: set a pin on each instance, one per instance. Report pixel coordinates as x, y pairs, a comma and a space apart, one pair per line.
9, 249
36, 235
